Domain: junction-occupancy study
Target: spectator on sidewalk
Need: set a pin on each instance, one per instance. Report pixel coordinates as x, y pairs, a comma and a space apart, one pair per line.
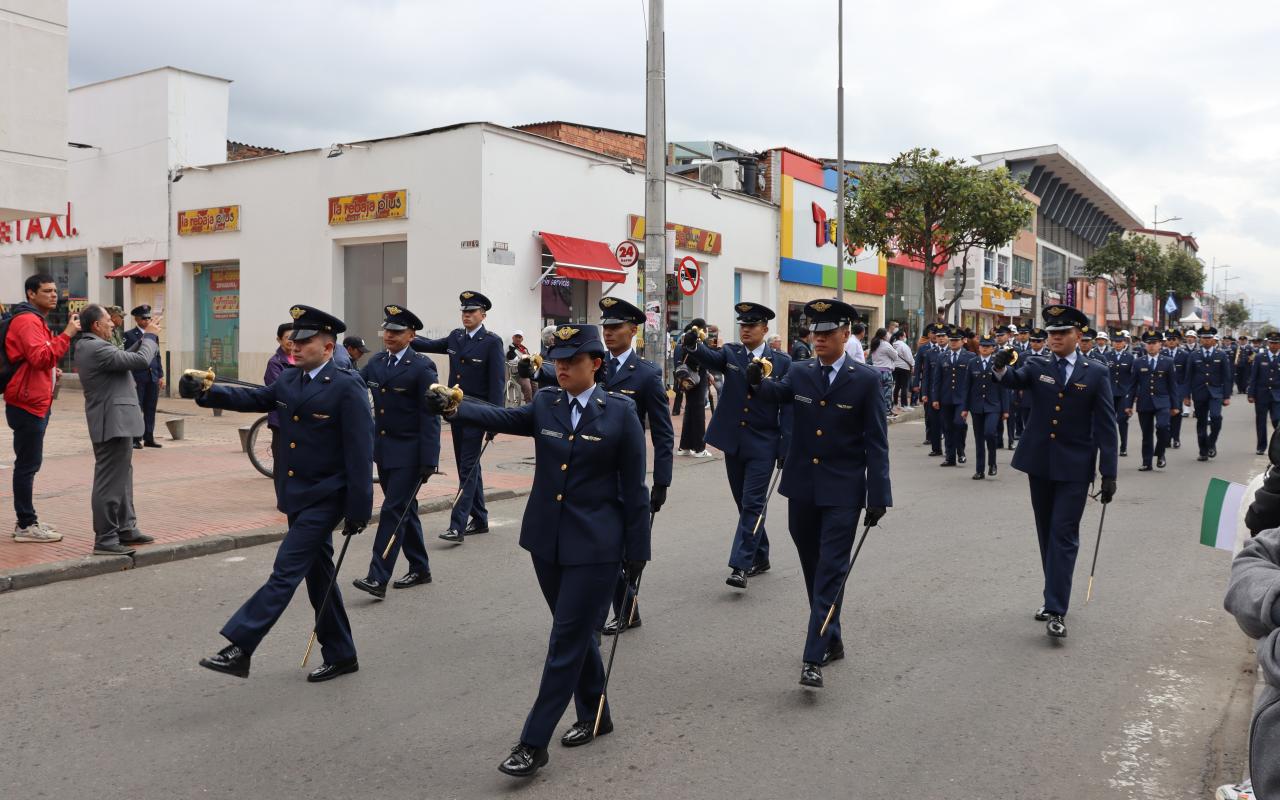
802, 350
34, 352
117, 319
516, 351
904, 365
853, 347
150, 379
114, 413
281, 360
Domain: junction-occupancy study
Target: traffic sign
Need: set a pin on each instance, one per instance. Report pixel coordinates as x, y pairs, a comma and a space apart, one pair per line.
688, 275
627, 254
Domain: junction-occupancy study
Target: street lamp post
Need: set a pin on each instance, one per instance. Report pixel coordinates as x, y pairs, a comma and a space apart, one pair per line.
840, 180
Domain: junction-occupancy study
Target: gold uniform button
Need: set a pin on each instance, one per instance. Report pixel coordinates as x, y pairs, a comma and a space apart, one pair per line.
559, 497
384, 391
819, 431
822, 402
1055, 422
743, 423
382, 411
1061, 395
571, 437
1053, 436
1057, 408
290, 473
563, 467
382, 433
295, 419
746, 410
815, 461
292, 445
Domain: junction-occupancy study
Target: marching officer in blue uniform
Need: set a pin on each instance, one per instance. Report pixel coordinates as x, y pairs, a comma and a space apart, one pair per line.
988, 403
478, 365
1179, 352
1264, 388
1120, 361
947, 393
1154, 395
633, 377
587, 512
1007, 336
406, 448
926, 357
148, 380
322, 480
1022, 400
1087, 336
1245, 351
837, 464
1209, 379
1072, 429
752, 432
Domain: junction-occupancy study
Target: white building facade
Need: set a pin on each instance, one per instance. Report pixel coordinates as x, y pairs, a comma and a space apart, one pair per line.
33, 108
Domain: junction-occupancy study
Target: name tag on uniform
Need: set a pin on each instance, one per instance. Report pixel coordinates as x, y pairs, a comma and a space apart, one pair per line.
844, 406
553, 434
477, 360
804, 399
399, 389
1145, 369
591, 438
1047, 379
627, 391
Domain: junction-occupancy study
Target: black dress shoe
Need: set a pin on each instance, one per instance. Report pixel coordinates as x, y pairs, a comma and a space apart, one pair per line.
477, 527
327, 672
137, 538
112, 550
581, 734
524, 761
378, 590
757, 569
1261, 451
1123, 452
834, 653
452, 535
1056, 627
950, 463
412, 579
137, 444
1176, 444
1160, 462
1041, 614
979, 475
1144, 468
737, 579
991, 470
935, 453
963, 459
151, 443
1213, 452
232, 660
1202, 457
811, 675
614, 624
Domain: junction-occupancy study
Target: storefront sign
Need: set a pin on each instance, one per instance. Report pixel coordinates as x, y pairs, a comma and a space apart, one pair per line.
687, 238
627, 254
208, 220
26, 230
368, 207
224, 280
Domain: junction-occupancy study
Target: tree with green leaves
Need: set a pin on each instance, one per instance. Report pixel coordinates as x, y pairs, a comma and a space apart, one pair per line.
932, 209
1130, 264
1232, 314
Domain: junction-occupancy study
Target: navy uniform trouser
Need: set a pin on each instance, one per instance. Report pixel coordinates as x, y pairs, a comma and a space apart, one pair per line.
749, 483
986, 433
823, 536
306, 553
1057, 506
1208, 420
148, 396
933, 427
1175, 423
1161, 421
578, 597
467, 441
1262, 409
955, 430
1242, 379
398, 484
1024, 416
1122, 421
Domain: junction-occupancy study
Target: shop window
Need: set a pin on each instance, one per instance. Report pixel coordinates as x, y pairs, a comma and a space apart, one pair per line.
1022, 271
71, 274
564, 300
1002, 270
989, 266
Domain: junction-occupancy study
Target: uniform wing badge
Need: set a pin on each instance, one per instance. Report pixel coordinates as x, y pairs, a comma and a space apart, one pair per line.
566, 333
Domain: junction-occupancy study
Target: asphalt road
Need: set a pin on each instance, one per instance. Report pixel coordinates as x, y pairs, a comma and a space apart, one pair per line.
951, 690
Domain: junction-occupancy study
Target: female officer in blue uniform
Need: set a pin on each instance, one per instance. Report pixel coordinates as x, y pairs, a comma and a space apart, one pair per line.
988, 404
322, 479
406, 449
477, 364
1072, 428
837, 464
588, 511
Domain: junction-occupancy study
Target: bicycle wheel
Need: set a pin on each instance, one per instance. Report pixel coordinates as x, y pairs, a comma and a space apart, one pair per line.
260, 452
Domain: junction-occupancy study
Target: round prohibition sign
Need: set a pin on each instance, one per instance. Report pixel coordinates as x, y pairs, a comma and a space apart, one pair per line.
627, 254
688, 275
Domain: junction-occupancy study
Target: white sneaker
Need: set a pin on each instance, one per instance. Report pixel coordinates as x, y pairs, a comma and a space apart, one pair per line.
35, 533
1238, 791
683, 452
44, 526
702, 454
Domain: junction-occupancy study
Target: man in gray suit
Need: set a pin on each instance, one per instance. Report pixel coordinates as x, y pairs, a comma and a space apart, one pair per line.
115, 419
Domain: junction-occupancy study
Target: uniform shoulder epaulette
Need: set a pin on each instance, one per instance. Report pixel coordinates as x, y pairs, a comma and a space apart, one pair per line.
863, 365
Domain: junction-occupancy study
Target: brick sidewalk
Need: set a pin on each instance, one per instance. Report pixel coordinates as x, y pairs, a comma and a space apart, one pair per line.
199, 487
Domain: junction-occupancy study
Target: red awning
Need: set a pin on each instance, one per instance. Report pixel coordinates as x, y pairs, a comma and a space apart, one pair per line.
584, 259
139, 269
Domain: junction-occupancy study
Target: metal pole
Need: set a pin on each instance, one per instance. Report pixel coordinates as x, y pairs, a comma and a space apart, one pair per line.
655, 189
840, 182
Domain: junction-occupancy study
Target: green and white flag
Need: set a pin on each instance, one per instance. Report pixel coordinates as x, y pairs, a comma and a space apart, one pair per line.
1221, 513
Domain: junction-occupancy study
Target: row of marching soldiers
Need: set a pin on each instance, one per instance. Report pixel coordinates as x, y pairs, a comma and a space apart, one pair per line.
816, 429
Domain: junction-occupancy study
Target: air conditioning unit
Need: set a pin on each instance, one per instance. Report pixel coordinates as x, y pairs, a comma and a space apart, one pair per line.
725, 174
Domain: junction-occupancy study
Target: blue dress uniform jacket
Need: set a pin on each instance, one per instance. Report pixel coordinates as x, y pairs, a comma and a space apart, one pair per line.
323, 474
155, 370
148, 384
1264, 390
406, 444
837, 464
406, 433
986, 402
950, 388
577, 513
1209, 380
477, 364
589, 509
641, 382
1153, 394
1122, 377
926, 356
753, 432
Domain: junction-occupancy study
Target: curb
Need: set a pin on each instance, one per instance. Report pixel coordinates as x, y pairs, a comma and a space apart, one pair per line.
88, 566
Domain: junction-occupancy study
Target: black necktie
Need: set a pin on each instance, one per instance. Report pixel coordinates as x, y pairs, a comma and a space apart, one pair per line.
575, 406
613, 368
1062, 371
306, 378
827, 369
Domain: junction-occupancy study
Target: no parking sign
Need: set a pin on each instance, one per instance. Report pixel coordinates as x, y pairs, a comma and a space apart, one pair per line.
688, 275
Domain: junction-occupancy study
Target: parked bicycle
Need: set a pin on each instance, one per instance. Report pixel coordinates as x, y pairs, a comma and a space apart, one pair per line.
258, 447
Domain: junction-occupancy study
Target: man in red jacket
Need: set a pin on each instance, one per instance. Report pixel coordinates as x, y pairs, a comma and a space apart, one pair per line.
34, 352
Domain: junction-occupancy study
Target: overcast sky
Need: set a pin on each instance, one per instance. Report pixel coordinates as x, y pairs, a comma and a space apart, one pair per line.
1172, 103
